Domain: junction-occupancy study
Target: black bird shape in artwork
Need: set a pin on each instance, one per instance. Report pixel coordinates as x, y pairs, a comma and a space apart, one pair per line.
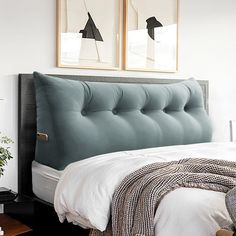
90, 30
152, 23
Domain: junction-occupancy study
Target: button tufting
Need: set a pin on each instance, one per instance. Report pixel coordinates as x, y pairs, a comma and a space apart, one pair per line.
114, 111
84, 113
142, 111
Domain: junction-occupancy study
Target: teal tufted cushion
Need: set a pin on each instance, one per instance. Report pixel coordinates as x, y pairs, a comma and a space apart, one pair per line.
83, 119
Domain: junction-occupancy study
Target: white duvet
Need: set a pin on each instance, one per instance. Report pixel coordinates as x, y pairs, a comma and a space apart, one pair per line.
84, 192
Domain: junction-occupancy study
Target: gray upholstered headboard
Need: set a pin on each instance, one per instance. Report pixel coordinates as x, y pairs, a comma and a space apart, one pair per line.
183, 97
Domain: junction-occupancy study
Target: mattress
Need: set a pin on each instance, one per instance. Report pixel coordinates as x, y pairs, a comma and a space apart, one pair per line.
84, 191
44, 180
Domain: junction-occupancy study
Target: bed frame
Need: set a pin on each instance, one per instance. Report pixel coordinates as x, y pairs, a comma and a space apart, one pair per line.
27, 138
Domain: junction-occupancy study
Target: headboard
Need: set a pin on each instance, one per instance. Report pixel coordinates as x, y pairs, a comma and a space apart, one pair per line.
27, 118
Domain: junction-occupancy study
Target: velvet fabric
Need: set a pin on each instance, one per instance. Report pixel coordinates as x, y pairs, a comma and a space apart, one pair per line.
84, 119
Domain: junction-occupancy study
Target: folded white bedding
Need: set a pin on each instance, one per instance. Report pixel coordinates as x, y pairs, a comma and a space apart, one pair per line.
84, 192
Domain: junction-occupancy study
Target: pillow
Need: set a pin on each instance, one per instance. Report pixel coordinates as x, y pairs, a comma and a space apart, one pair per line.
84, 119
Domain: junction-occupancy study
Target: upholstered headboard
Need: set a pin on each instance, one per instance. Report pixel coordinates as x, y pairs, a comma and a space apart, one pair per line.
118, 114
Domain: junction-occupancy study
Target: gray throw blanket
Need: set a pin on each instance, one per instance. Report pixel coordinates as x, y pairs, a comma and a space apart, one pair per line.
137, 197
230, 202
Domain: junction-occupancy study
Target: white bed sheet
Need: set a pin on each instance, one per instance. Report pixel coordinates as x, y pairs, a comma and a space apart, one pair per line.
84, 192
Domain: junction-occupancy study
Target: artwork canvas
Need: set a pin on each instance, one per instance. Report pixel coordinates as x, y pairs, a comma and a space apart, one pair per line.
151, 35
89, 34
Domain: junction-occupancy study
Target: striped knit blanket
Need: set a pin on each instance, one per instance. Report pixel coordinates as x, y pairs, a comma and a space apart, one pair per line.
136, 199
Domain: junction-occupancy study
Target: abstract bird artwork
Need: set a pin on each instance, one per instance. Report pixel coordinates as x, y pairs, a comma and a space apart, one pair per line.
152, 23
90, 30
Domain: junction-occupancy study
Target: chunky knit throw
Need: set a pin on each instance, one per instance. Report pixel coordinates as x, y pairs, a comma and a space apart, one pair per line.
137, 197
230, 202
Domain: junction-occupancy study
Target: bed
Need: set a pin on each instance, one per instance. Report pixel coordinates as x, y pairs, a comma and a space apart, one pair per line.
136, 146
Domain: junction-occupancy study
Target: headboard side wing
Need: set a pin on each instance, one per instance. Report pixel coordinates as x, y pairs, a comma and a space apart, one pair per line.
26, 133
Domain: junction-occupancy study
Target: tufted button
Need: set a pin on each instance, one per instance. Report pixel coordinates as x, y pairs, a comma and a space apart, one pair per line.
142, 110
114, 111
84, 113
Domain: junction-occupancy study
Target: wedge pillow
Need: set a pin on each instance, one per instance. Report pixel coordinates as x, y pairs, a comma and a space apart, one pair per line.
83, 119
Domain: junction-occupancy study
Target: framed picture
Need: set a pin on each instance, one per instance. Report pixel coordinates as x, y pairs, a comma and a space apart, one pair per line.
89, 34
150, 35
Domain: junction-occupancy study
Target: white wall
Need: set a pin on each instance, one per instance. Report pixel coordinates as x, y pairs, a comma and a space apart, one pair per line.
207, 50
